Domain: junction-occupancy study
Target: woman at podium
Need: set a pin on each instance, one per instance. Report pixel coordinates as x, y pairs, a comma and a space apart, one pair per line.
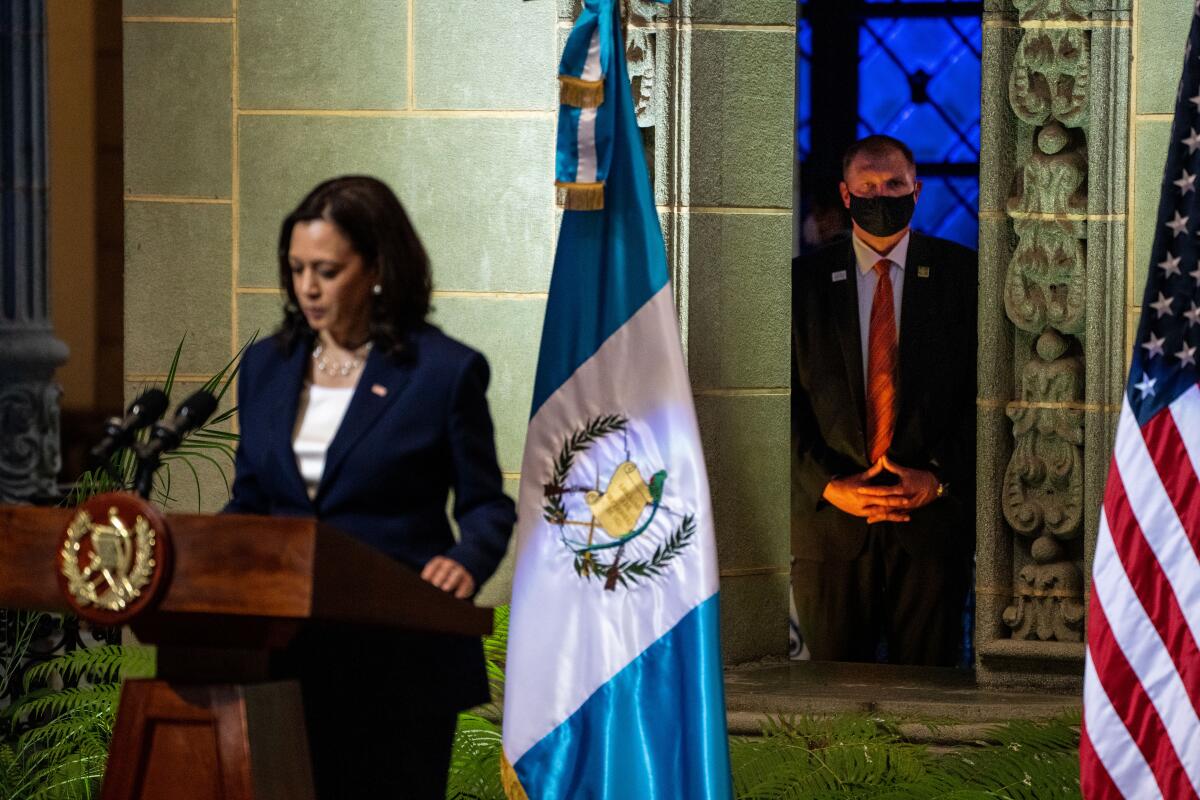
362, 414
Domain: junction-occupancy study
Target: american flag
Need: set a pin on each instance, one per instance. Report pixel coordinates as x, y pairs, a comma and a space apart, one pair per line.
1141, 697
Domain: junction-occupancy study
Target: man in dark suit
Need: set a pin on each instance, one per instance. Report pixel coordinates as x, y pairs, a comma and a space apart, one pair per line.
883, 424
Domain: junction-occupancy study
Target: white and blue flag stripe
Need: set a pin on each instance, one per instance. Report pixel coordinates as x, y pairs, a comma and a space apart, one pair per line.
614, 684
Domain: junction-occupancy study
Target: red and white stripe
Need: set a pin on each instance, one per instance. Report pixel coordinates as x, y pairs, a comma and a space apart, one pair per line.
1141, 734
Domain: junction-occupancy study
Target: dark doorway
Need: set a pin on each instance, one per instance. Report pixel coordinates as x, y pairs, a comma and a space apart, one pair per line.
906, 68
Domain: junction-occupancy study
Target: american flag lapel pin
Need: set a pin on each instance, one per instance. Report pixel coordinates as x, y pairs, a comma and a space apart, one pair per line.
378, 390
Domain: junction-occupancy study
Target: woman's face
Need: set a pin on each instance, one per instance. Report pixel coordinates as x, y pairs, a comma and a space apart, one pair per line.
330, 281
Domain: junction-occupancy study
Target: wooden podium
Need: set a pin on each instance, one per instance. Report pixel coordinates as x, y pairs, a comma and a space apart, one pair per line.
213, 725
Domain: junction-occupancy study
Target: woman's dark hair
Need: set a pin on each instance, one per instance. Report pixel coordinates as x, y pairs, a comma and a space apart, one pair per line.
371, 218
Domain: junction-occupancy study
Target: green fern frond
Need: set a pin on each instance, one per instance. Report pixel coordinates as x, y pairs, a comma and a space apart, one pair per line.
61, 759
1017, 774
495, 646
76, 778
64, 701
1061, 733
818, 757
475, 760
103, 664
860, 757
495, 649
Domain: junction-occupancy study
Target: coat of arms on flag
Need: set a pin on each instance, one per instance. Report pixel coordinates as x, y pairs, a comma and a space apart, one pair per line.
621, 507
614, 645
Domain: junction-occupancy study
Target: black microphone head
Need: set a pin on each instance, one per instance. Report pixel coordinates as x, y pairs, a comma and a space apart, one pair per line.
194, 411
119, 432
147, 408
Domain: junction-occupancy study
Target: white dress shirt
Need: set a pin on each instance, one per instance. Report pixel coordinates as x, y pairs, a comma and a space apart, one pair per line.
866, 259
321, 411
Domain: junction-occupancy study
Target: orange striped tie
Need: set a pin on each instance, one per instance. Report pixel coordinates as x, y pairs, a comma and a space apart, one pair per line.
881, 365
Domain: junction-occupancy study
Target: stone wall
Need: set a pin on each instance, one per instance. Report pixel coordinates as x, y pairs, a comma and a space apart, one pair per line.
1160, 29
234, 108
723, 164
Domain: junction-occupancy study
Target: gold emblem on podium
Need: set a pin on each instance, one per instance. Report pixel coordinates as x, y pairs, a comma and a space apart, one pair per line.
107, 564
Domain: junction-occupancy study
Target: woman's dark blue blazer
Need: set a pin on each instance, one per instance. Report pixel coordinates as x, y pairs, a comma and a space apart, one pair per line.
416, 429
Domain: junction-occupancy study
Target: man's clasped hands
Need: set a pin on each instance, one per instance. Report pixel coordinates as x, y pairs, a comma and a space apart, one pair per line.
861, 496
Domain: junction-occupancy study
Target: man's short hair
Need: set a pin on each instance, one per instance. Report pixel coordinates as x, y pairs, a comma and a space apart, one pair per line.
877, 145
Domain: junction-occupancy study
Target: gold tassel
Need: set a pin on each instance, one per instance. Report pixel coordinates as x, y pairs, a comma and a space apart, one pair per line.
513, 789
577, 92
580, 196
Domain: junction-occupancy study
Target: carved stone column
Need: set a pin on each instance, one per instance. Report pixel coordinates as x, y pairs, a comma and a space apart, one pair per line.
1052, 256
640, 38
29, 352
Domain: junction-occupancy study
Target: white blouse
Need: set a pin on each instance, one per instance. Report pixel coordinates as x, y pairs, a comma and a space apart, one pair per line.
320, 415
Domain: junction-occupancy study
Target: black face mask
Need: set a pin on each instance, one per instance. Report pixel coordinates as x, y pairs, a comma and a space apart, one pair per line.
882, 216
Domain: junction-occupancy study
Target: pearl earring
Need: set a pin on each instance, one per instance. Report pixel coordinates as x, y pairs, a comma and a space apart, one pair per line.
377, 289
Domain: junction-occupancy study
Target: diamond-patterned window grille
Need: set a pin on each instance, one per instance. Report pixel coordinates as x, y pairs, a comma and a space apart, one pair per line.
924, 85
918, 80
924, 89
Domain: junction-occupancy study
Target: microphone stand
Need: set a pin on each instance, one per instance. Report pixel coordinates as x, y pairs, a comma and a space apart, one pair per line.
143, 484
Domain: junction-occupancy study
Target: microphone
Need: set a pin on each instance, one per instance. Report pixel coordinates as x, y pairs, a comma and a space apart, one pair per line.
166, 436
191, 414
119, 432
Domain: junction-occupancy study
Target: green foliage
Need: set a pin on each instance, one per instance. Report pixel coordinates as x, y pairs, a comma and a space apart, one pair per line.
64, 761
56, 735
863, 757
21, 625
475, 759
495, 649
817, 757
104, 664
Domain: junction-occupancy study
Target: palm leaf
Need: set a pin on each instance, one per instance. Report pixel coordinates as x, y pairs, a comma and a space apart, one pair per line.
22, 628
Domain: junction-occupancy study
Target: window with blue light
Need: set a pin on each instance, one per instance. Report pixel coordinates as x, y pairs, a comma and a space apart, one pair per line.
803, 97
916, 70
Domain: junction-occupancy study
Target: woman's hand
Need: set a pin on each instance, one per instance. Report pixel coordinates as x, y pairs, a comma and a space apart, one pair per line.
449, 576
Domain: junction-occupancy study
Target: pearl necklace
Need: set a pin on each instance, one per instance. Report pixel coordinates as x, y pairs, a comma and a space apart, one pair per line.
338, 370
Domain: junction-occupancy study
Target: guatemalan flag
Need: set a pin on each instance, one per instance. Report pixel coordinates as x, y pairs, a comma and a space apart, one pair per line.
614, 685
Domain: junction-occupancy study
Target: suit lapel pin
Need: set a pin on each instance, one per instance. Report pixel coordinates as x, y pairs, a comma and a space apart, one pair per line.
922, 272
378, 390
840, 275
